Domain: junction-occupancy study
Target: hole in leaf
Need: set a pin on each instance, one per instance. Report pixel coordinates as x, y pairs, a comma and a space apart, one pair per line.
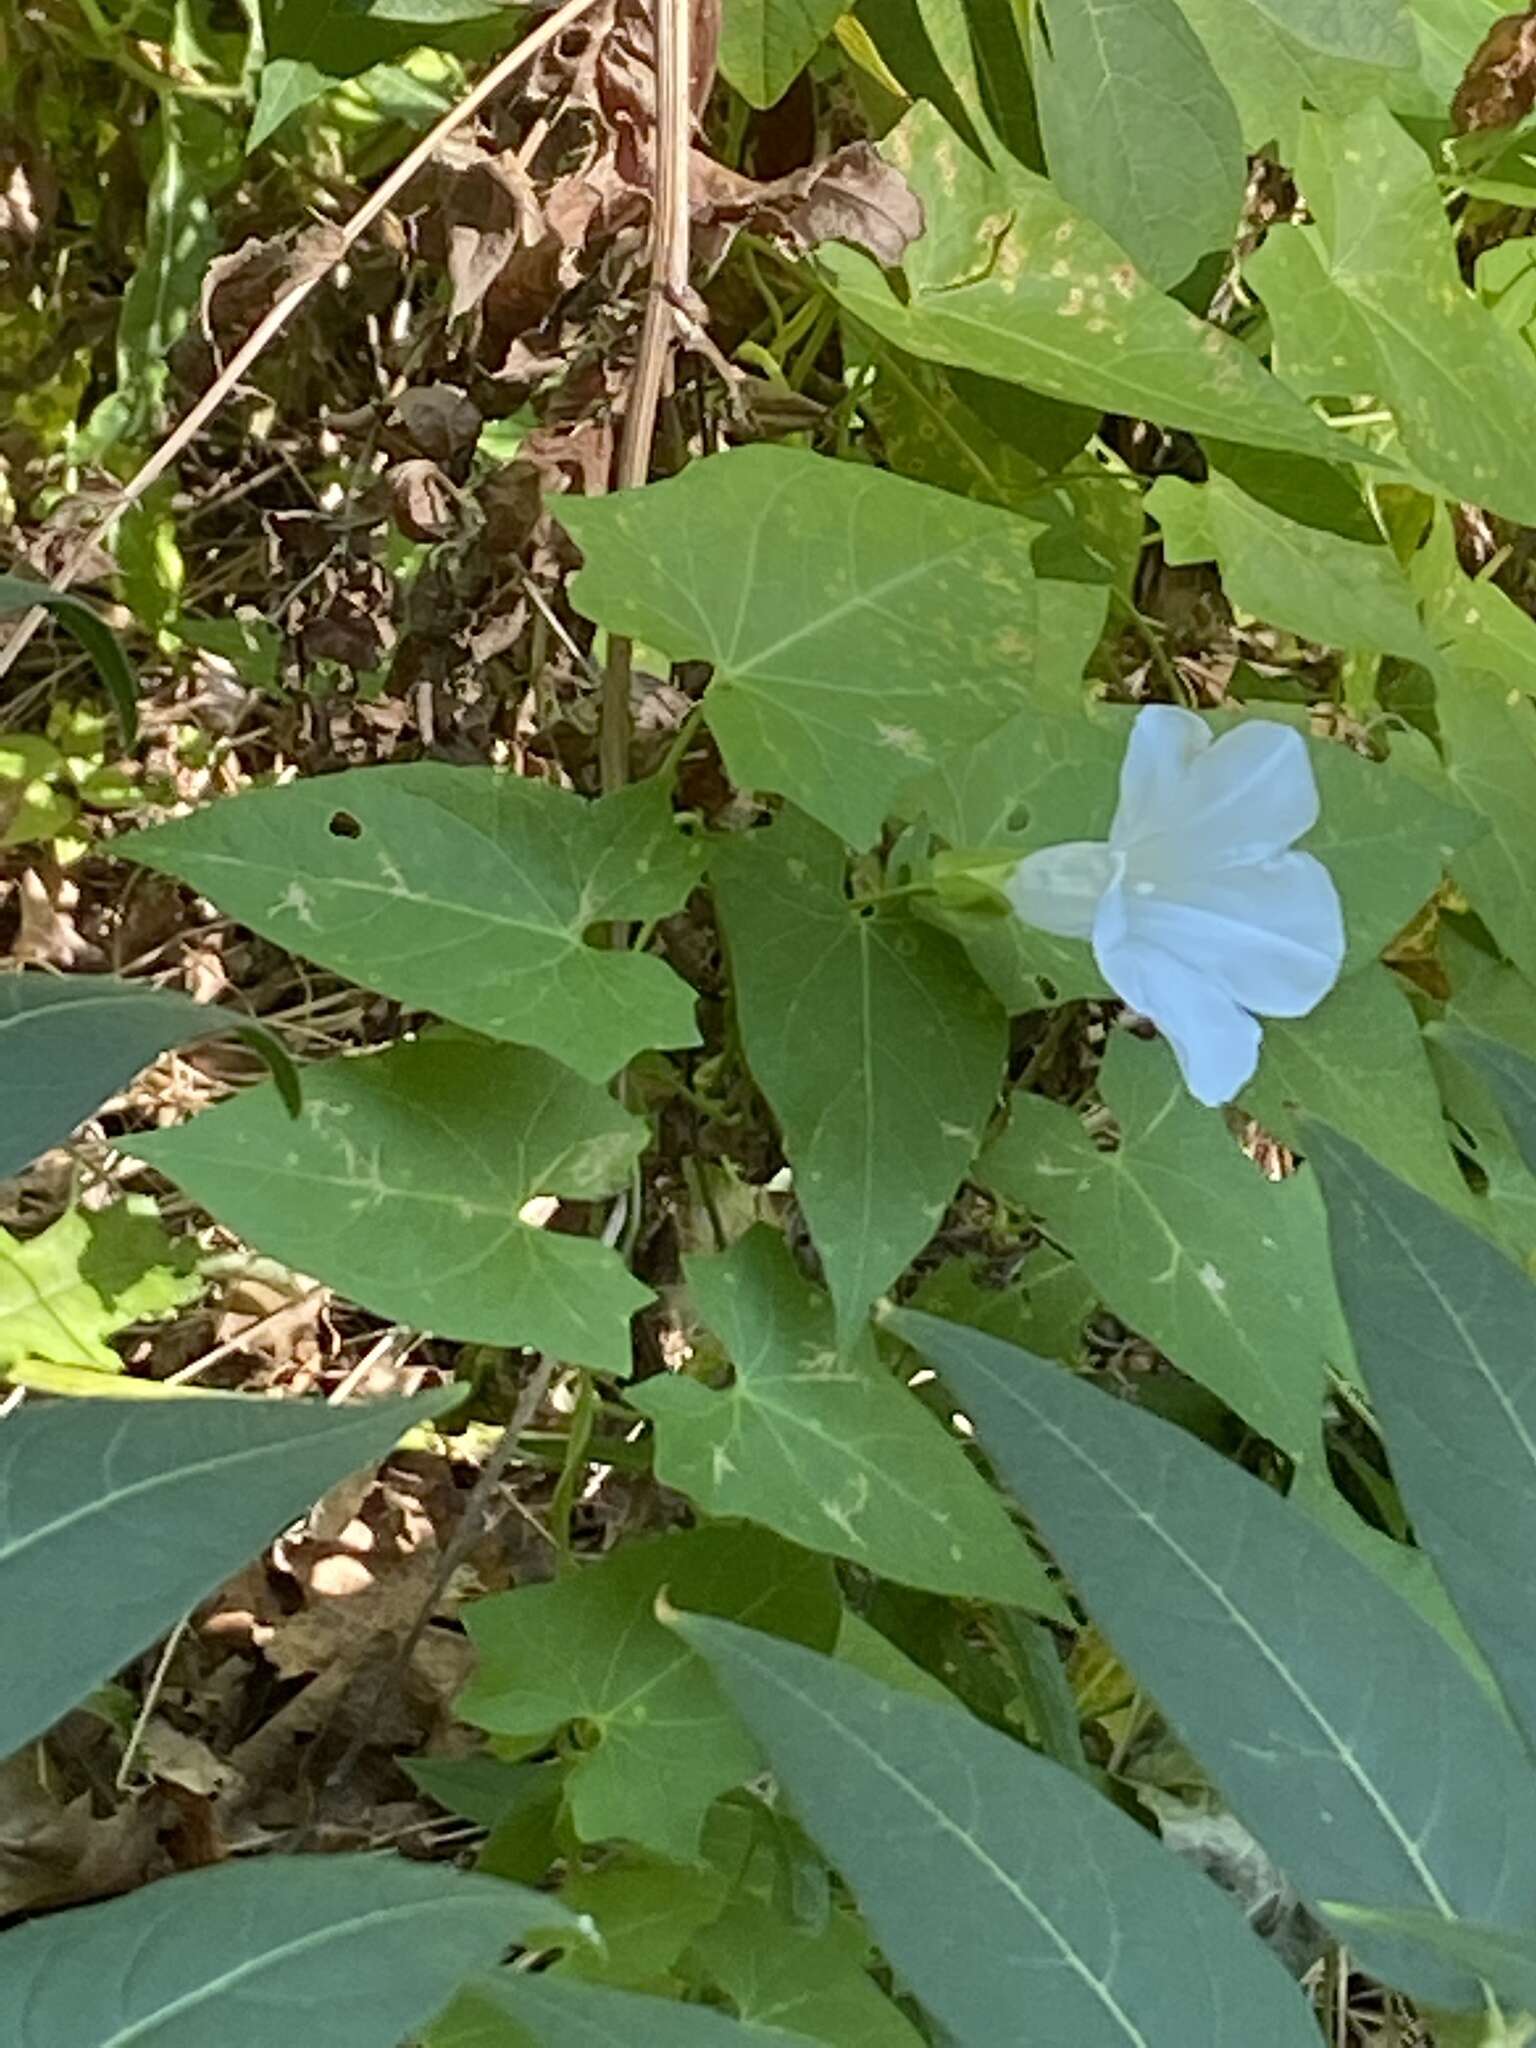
344, 826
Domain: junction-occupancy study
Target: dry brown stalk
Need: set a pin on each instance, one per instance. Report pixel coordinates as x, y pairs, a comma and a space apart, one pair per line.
668, 291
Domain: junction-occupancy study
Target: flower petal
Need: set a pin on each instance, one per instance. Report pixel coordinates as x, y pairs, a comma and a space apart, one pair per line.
1058, 889
1164, 745
1270, 936
1245, 798
1214, 1040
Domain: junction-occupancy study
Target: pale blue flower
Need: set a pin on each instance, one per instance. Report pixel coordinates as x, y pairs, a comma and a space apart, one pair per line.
1201, 915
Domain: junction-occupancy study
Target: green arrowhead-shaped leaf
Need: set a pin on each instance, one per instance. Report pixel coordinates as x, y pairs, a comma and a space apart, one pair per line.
68, 1042
401, 1186
1140, 133
87, 1276
1443, 1323
1319, 584
1010, 281
232, 1954
860, 625
1273, 68
828, 1448
664, 1744
459, 890
811, 1979
994, 1881
1489, 735
1340, 1727
1321, 344
1359, 1063
141, 1510
1452, 376
1185, 1239
766, 44
878, 1050
524, 2009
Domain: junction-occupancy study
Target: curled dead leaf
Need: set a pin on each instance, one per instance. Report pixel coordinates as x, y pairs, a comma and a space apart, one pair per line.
425, 504
1498, 88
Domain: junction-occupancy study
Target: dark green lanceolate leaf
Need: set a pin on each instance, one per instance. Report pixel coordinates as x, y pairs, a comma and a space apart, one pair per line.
141, 1511
402, 1183
1185, 1239
1319, 584
1510, 1073
860, 625
68, 1043
87, 1276
766, 44
1140, 133
589, 1649
1443, 1322
1489, 734
995, 1882
233, 1954
17, 594
458, 890
811, 1980
1010, 281
1504, 1960
1340, 1727
878, 1050
517, 2009
1359, 1063
1451, 375
827, 1447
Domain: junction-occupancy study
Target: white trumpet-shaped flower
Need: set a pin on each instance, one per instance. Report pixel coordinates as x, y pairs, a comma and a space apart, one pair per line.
1202, 917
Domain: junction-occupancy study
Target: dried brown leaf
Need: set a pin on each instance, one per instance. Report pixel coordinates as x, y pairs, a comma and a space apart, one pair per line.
852, 196
1499, 85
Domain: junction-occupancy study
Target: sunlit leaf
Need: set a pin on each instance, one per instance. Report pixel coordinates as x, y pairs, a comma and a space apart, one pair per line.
1311, 581
1185, 1240
1452, 376
459, 890
86, 1277
1139, 131
765, 44
828, 1448
1012, 282
402, 1186
860, 625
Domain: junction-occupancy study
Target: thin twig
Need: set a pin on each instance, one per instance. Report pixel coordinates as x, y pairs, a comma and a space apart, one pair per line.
267, 330
668, 291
